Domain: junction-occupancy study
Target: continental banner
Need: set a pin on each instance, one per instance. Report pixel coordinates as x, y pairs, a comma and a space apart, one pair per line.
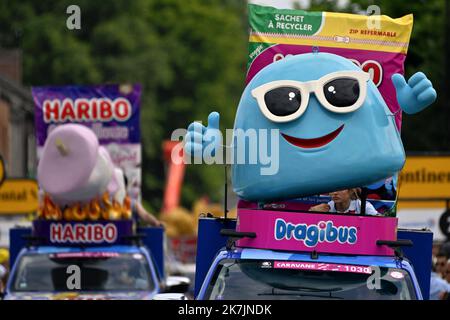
424, 178
18, 196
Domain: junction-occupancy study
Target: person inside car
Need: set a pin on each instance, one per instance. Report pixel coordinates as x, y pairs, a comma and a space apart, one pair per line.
128, 276
344, 201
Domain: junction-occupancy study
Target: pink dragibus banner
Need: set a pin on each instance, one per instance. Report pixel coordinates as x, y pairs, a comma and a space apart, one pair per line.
324, 233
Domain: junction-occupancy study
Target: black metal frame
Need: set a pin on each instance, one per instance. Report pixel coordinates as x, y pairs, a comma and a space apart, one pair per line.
396, 245
234, 235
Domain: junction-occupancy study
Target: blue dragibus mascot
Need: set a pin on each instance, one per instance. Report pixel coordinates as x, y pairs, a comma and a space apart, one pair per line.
324, 121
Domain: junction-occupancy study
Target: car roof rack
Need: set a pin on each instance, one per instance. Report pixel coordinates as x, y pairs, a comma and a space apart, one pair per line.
235, 235
135, 238
33, 240
396, 245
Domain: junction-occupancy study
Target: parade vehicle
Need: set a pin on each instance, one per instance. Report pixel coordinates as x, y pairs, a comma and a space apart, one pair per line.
277, 247
85, 242
111, 260
272, 254
320, 123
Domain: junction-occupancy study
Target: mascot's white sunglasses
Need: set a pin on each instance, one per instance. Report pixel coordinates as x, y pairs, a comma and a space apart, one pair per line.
287, 100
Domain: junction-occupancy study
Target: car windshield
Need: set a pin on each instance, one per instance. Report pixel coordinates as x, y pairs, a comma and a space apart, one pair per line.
272, 280
82, 271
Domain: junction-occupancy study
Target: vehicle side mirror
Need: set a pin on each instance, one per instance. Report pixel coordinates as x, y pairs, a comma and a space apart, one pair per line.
170, 296
177, 284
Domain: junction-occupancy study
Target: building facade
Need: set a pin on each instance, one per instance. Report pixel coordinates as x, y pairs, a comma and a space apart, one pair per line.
17, 136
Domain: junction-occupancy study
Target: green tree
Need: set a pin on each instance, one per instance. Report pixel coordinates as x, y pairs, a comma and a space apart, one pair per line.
188, 55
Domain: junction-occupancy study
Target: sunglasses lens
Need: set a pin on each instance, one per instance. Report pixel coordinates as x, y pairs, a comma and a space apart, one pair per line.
283, 101
342, 92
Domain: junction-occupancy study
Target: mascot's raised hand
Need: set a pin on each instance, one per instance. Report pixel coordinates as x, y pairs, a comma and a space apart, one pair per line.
416, 94
201, 141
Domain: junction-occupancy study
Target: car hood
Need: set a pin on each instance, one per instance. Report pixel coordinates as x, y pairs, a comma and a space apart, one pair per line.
144, 295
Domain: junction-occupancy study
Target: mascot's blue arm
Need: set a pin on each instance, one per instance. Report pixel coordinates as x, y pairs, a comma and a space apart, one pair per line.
416, 94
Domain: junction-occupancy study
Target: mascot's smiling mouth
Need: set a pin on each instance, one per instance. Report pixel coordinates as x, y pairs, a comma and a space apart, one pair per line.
315, 142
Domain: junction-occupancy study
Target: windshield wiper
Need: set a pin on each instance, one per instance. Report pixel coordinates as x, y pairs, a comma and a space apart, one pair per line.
310, 289
304, 292
298, 294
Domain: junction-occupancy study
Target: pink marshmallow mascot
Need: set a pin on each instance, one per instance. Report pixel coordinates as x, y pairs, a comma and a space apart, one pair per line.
79, 178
